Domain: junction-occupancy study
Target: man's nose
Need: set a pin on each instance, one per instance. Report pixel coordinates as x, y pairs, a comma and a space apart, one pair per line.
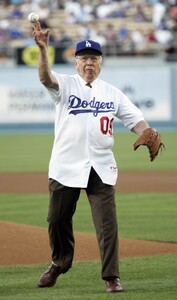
89, 59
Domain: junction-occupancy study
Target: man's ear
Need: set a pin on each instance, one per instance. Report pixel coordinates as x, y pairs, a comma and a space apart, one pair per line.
75, 62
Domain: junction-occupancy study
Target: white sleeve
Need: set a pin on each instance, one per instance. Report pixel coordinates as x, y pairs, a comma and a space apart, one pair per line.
56, 95
127, 112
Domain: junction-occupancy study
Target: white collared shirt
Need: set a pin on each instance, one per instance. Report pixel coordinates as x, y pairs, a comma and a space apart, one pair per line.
83, 129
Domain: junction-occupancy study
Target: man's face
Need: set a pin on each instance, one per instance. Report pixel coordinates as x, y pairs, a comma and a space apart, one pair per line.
88, 65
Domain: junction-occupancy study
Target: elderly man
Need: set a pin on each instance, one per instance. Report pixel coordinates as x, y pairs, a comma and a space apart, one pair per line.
82, 156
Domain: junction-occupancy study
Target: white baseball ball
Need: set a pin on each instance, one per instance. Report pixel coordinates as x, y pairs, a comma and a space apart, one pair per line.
33, 17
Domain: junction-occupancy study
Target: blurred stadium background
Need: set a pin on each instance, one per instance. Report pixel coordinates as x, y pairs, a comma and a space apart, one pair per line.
139, 41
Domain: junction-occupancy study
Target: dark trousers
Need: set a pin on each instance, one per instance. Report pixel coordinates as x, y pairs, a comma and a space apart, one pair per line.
63, 201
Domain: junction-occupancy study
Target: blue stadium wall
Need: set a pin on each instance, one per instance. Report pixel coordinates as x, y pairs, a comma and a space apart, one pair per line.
150, 84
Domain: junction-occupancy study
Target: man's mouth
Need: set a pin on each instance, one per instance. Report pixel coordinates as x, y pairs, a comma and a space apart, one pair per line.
89, 69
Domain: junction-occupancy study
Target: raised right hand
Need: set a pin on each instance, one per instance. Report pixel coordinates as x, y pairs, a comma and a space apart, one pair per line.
41, 37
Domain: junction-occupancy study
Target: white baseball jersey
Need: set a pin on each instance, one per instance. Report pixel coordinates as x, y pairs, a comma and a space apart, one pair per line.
84, 129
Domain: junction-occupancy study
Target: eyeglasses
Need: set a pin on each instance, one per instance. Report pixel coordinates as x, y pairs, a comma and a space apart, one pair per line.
94, 59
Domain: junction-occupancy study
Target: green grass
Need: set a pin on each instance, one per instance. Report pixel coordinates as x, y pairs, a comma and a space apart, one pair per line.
152, 277
25, 152
31, 153
24, 208
149, 216
128, 159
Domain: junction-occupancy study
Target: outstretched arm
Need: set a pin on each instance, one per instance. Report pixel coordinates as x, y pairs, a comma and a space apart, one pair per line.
140, 127
41, 38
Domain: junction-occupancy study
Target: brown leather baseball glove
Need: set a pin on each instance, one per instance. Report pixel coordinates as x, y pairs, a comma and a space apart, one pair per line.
150, 138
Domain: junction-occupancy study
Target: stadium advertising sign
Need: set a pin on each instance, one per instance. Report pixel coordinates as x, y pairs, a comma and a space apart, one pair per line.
25, 100
57, 55
149, 89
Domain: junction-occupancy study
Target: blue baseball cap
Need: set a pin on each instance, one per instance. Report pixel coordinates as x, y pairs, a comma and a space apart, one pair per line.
88, 45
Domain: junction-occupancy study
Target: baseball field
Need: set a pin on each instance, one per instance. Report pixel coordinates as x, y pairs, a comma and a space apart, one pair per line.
146, 201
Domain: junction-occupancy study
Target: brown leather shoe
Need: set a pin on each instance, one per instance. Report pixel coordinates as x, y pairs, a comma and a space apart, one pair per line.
49, 277
113, 286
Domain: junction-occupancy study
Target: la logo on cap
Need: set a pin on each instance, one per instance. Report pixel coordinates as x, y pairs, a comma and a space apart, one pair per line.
87, 44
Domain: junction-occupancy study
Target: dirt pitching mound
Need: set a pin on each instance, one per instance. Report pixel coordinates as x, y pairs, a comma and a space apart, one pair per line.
23, 245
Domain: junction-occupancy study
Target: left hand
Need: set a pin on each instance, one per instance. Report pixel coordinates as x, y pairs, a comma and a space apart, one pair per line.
150, 138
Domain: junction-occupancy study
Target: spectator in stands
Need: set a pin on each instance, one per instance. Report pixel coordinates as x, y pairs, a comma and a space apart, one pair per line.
87, 31
16, 12
118, 12
71, 18
110, 33
63, 38
43, 11
123, 33
150, 36
87, 11
73, 12
158, 13
173, 17
99, 37
4, 42
5, 13
28, 40
15, 31
138, 40
104, 9
79, 11
163, 35
139, 14
124, 40
28, 6
126, 4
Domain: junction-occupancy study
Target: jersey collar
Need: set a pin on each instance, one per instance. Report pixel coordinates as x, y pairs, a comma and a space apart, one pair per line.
83, 82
